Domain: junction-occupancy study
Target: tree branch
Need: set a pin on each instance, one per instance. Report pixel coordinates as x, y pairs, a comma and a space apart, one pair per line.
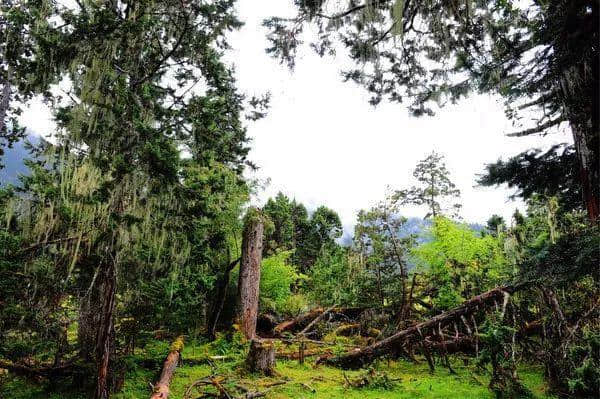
342, 14
539, 128
166, 56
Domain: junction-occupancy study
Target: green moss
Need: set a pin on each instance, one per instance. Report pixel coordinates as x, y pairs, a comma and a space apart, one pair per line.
177, 345
414, 382
411, 380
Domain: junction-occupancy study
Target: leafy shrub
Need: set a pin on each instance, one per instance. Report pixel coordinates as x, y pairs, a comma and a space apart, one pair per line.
460, 262
229, 343
335, 278
276, 280
294, 305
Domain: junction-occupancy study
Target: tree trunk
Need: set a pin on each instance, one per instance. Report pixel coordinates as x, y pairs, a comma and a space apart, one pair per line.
161, 389
583, 119
4, 102
588, 173
62, 342
261, 357
249, 280
106, 334
220, 295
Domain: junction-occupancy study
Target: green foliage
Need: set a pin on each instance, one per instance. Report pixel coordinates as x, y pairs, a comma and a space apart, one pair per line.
118, 232
289, 218
294, 230
336, 278
552, 173
496, 338
228, 344
585, 357
295, 304
277, 276
324, 227
383, 251
460, 262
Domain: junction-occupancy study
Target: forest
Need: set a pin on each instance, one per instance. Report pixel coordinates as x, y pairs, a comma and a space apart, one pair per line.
135, 261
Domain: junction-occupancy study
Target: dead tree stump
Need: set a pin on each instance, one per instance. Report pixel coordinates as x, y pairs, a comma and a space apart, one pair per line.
261, 357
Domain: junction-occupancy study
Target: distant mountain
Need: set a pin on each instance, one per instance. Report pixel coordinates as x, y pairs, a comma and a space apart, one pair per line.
413, 225
13, 161
416, 226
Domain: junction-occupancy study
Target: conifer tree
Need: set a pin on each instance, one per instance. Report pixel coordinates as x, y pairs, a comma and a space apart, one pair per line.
434, 188
134, 68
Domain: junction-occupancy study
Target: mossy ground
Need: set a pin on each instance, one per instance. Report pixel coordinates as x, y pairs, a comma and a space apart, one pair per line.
302, 381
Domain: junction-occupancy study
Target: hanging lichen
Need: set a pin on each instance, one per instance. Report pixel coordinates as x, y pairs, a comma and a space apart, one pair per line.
397, 17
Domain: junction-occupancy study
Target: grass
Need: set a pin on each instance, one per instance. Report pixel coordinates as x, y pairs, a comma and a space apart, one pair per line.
302, 381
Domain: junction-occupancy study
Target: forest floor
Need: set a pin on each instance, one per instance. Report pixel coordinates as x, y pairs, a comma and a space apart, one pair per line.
389, 379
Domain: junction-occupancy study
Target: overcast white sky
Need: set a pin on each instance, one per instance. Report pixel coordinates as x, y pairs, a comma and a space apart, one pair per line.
322, 143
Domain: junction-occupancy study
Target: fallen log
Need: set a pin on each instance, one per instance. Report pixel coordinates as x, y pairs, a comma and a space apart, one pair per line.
295, 355
347, 329
316, 320
366, 355
468, 343
298, 322
302, 321
38, 371
161, 389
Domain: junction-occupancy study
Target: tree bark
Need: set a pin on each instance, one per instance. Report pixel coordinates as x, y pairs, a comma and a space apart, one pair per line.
249, 279
4, 101
583, 119
161, 389
261, 357
588, 173
106, 334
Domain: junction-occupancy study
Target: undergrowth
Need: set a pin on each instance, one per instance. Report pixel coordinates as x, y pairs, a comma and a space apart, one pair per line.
224, 357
